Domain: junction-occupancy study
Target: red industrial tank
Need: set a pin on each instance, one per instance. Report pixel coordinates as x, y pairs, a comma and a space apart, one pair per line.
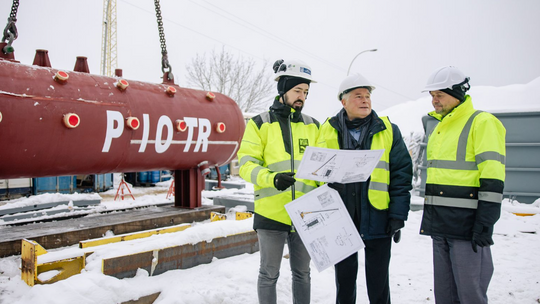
64, 123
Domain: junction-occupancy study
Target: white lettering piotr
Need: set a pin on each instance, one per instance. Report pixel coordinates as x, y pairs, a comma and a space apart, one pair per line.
115, 128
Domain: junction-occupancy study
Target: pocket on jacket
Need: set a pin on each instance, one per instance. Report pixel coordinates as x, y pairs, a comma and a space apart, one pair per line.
378, 220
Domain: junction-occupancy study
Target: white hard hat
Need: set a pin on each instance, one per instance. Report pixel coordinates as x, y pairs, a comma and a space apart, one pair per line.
445, 78
294, 68
353, 82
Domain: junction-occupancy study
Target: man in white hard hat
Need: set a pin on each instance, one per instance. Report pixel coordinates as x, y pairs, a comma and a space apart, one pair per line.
464, 189
272, 148
379, 206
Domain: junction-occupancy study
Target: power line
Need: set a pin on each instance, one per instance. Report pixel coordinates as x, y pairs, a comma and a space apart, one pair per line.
392, 91
265, 33
192, 30
278, 39
218, 11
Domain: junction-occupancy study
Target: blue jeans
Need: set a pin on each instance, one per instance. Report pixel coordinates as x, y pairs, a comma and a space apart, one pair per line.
271, 244
461, 275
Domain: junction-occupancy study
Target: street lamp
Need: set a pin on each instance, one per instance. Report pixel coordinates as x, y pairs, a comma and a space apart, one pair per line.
373, 50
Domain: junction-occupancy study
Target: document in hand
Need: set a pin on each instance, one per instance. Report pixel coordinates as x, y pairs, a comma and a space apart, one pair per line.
325, 227
338, 166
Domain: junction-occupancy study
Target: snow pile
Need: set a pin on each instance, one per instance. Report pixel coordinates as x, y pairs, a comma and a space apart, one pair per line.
233, 280
49, 198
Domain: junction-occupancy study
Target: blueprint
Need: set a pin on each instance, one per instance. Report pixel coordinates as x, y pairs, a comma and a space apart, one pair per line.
338, 166
325, 227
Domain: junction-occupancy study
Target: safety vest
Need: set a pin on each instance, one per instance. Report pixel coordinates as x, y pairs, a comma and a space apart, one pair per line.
465, 147
263, 154
380, 177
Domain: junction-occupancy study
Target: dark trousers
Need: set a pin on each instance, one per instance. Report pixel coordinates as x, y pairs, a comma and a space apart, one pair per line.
461, 275
377, 261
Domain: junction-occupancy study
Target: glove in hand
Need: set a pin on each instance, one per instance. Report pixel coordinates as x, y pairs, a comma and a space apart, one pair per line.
336, 186
482, 238
283, 181
393, 228
397, 236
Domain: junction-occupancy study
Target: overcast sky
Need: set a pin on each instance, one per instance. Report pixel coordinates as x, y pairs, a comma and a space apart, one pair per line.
495, 42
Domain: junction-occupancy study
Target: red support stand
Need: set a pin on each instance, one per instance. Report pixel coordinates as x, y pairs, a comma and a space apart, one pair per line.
171, 191
121, 187
219, 186
190, 184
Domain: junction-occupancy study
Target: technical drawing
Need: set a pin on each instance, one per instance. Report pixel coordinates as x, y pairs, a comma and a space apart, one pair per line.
344, 238
325, 199
314, 219
302, 214
317, 157
327, 168
359, 162
324, 225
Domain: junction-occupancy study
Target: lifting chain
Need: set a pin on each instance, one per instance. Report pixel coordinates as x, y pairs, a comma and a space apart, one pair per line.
10, 31
165, 66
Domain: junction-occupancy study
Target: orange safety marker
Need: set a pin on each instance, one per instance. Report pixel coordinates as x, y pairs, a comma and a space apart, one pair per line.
123, 185
171, 189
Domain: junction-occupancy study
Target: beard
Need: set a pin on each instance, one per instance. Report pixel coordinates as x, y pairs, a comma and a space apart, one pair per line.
298, 104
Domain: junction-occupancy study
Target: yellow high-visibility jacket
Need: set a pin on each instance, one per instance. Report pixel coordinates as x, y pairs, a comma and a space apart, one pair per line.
275, 142
465, 173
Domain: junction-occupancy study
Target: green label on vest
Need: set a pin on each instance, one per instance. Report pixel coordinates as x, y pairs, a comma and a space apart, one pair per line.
302, 144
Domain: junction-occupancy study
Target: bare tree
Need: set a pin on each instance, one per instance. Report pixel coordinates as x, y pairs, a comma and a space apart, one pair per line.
235, 77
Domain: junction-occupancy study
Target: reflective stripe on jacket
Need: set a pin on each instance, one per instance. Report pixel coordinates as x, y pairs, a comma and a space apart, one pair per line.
380, 177
392, 200
465, 173
266, 150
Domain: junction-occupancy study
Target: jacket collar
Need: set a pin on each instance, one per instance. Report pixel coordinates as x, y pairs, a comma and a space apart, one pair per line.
465, 107
283, 110
376, 126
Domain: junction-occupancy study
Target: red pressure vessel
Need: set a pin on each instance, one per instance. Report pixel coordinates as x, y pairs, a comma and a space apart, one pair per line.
56, 123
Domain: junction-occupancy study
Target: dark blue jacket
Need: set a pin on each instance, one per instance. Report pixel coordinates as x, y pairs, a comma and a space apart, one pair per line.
371, 222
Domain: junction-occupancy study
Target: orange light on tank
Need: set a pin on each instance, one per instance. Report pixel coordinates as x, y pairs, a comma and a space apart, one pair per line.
210, 96
181, 125
71, 120
220, 127
170, 91
122, 84
61, 77
133, 123
205, 169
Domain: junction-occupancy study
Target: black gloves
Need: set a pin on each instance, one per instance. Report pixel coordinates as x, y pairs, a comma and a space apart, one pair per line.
283, 181
481, 237
336, 186
397, 236
393, 228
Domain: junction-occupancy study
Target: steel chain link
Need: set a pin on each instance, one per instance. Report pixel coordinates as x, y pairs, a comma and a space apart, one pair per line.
10, 31
165, 66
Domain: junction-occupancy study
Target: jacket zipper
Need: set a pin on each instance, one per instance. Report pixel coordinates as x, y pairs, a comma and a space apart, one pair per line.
289, 118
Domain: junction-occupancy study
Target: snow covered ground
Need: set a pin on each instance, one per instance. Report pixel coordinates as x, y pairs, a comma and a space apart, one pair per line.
233, 280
